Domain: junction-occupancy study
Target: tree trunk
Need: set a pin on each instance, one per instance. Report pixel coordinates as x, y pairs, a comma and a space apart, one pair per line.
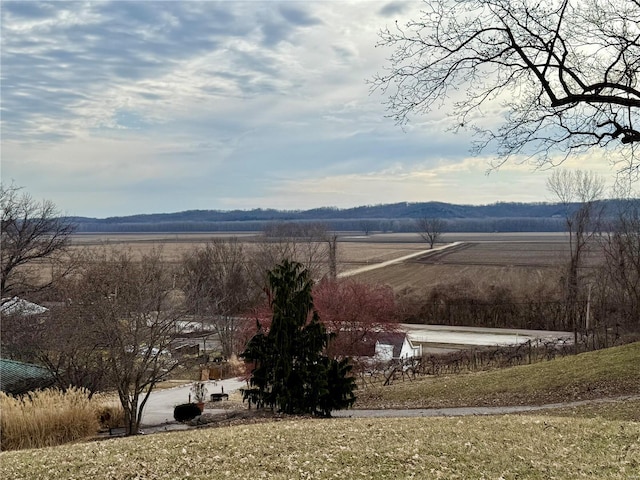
131, 417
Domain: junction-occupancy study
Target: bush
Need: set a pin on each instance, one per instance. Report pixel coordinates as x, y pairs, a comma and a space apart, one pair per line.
46, 418
109, 412
186, 412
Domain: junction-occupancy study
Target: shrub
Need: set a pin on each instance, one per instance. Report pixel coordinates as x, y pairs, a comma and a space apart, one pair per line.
186, 412
109, 412
46, 418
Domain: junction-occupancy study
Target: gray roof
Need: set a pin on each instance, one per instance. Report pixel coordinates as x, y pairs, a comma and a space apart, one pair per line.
19, 306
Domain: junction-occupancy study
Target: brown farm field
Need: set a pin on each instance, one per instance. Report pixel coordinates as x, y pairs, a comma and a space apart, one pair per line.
519, 265
483, 260
352, 251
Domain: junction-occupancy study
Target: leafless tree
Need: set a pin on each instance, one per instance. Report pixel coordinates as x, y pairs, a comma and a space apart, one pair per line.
128, 310
218, 286
621, 246
579, 192
65, 344
57, 338
565, 72
367, 226
31, 232
332, 243
303, 242
430, 229
114, 331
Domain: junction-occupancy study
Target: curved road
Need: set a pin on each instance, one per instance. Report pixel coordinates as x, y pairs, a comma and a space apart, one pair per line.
158, 413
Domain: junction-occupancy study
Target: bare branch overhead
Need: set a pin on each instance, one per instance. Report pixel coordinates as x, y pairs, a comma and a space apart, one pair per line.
563, 72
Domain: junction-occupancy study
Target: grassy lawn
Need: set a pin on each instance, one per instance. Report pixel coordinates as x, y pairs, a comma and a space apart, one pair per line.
596, 441
508, 447
610, 372
620, 410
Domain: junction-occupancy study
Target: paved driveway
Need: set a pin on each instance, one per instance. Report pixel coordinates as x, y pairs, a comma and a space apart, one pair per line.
159, 408
465, 411
465, 337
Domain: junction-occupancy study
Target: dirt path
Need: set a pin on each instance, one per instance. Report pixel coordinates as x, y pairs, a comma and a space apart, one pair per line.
368, 268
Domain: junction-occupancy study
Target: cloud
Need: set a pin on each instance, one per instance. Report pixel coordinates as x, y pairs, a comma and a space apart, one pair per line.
394, 8
64, 64
298, 16
116, 107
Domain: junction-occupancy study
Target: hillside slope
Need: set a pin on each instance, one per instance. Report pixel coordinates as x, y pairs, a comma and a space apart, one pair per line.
603, 373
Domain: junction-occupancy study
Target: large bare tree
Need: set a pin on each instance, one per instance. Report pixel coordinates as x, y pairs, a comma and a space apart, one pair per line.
218, 287
62, 340
579, 193
565, 73
128, 309
114, 331
430, 229
621, 246
32, 232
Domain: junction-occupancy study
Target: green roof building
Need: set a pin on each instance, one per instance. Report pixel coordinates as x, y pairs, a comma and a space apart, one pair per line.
17, 378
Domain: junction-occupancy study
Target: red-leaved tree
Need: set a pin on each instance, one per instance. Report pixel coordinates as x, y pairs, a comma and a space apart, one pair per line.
354, 312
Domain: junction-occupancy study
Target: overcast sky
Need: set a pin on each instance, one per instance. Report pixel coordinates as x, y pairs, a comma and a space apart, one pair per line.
117, 108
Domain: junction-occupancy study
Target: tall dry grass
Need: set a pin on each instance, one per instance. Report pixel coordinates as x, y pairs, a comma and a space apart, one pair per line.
48, 418
108, 411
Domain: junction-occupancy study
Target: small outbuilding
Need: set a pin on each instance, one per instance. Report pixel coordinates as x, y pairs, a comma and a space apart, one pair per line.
395, 346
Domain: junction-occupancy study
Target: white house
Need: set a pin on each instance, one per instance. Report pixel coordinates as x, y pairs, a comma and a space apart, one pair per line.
395, 346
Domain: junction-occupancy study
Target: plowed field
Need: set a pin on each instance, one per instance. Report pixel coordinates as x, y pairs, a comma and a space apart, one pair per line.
517, 260
521, 265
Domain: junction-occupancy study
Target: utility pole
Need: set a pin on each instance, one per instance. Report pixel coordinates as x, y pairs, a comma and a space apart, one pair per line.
333, 247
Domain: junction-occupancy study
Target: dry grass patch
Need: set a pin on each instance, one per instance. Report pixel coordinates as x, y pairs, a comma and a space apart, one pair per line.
45, 418
108, 410
620, 410
603, 373
51, 417
507, 447
356, 254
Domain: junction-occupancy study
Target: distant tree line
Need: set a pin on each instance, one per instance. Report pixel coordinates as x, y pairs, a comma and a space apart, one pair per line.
604, 315
401, 217
383, 225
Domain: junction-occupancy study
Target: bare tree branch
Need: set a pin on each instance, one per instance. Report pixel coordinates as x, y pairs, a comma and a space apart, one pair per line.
31, 231
218, 286
565, 72
430, 229
579, 193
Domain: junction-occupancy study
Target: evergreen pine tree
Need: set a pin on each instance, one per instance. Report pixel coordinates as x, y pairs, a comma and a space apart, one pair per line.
291, 372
